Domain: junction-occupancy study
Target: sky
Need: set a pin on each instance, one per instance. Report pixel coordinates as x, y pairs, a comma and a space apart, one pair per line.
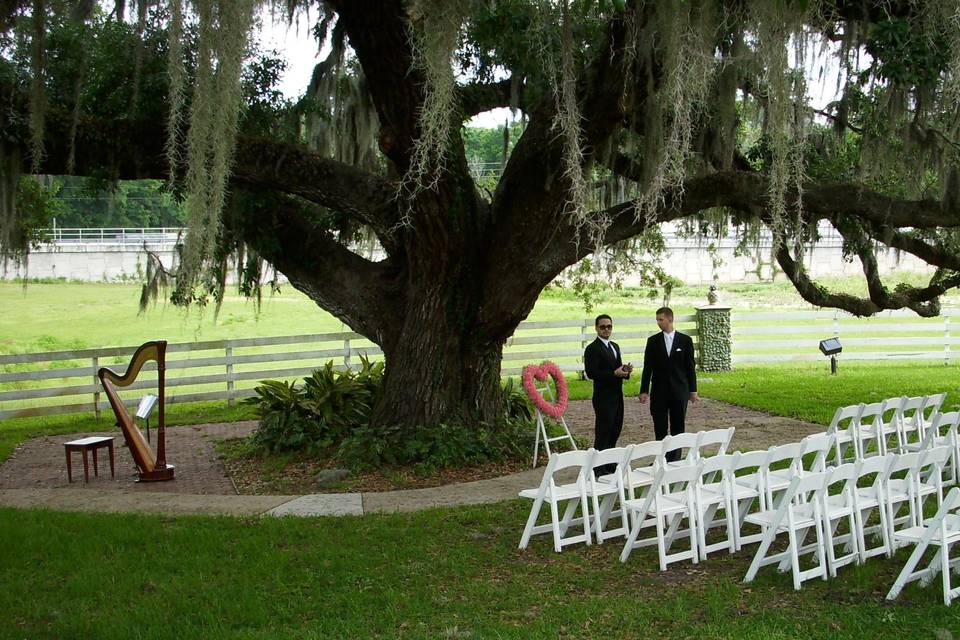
300, 50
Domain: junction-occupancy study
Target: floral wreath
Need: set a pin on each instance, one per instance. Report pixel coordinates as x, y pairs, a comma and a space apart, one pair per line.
533, 373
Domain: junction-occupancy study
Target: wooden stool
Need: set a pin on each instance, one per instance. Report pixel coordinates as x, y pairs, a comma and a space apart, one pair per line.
88, 444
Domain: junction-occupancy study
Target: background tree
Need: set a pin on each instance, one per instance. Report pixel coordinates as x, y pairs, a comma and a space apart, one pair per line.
651, 99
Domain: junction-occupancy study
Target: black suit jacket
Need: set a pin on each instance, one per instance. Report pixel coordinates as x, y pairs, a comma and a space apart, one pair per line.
599, 364
675, 375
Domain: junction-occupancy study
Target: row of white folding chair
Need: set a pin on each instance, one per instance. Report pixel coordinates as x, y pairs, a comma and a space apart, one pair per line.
819, 501
595, 496
697, 492
902, 419
646, 457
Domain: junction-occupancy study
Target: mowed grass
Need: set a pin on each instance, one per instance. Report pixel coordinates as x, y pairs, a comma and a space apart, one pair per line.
450, 573
807, 390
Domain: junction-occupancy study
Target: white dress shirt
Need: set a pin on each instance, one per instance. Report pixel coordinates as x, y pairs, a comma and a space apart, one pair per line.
668, 340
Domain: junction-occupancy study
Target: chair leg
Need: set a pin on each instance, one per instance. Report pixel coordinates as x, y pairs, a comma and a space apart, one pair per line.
555, 523
907, 571
765, 543
531, 521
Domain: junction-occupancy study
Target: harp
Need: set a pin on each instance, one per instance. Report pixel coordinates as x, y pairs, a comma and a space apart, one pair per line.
151, 464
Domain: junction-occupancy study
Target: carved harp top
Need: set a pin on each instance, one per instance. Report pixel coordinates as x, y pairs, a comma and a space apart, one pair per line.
145, 353
152, 465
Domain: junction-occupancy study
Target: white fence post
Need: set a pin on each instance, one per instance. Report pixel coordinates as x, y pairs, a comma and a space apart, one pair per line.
229, 354
946, 339
584, 341
346, 353
96, 387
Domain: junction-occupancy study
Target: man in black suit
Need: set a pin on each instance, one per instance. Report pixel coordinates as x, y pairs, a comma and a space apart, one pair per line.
668, 363
603, 363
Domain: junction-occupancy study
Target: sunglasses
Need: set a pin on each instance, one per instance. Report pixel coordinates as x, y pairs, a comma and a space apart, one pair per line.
604, 326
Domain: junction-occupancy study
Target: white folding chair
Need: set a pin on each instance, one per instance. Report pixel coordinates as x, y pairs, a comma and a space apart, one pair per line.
670, 499
929, 476
719, 438
797, 512
641, 467
606, 493
747, 488
889, 424
932, 404
843, 428
570, 494
870, 495
868, 428
712, 494
778, 479
900, 491
838, 505
818, 445
942, 432
941, 531
686, 444
911, 423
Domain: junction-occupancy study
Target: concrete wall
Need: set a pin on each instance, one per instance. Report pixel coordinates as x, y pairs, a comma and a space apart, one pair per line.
688, 260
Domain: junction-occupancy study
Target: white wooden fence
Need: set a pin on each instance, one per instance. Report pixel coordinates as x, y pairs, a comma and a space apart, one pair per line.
61, 382
795, 336
58, 382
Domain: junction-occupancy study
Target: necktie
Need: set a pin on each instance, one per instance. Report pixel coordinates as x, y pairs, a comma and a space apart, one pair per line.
612, 350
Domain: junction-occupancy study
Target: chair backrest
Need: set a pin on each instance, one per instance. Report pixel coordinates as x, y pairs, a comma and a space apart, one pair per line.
933, 403
843, 473
715, 437
567, 459
743, 460
688, 441
806, 488
779, 453
819, 445
879, 465
722, 463
870, 413
908, 462
844, 418
946, 426
890, 412
936, 455
911, 412
615, 455
679, 474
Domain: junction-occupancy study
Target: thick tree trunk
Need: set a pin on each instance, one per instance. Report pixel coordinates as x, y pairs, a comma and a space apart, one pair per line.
439, 372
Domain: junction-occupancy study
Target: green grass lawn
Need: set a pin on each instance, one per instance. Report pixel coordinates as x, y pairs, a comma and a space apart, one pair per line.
451, 573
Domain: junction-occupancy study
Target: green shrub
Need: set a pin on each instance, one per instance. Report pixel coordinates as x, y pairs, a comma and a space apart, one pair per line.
434, 447
516, 402
332, 409
317, 415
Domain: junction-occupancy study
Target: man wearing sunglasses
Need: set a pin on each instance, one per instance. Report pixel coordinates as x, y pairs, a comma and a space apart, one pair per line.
603, 363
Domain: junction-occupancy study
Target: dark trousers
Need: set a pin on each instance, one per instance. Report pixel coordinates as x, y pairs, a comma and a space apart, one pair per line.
668, 414
608, 425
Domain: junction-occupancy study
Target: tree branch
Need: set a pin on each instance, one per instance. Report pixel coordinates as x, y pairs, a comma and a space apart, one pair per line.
357, 291
478, 97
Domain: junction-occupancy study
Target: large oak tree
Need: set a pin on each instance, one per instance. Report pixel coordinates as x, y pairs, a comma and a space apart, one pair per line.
697, 109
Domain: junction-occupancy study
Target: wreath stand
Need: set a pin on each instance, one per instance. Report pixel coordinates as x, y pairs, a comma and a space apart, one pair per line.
547, 393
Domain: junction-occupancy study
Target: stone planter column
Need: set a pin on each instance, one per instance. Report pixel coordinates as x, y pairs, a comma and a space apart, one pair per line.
713, 337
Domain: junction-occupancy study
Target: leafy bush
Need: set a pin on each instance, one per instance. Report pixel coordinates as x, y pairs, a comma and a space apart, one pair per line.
517, 404
318, 414
332, 409
429, 448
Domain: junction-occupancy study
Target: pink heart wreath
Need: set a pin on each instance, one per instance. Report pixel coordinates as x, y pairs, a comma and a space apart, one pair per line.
539, 373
